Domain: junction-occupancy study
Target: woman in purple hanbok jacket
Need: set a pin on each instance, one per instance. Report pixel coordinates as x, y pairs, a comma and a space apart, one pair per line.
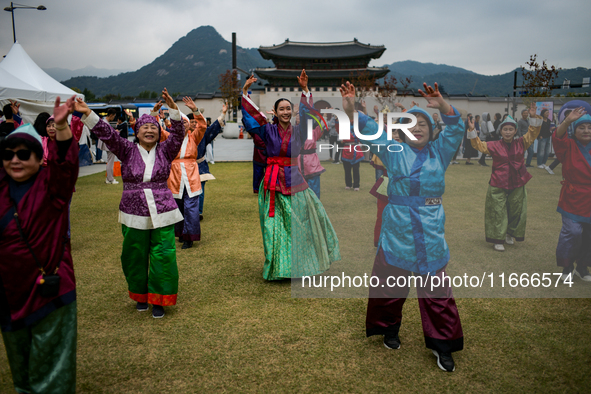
147, 211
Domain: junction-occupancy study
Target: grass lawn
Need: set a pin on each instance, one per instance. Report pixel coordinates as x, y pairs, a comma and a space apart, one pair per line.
232, 331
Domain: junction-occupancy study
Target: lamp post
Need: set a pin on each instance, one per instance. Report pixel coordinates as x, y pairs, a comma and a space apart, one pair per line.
14, 7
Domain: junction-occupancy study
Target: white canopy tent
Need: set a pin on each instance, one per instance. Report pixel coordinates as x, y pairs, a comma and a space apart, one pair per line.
23, 80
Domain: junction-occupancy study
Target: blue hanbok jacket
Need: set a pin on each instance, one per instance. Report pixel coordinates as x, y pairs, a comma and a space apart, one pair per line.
413, 225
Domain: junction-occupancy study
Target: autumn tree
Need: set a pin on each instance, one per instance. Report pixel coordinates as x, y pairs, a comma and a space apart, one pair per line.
538, 78
392, 90
365, 84
231, 92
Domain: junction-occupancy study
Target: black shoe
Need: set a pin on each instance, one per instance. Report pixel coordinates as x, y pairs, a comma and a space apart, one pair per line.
469, 164
187, 245
200, 217
392, 341
158, 312
484, 165
445, 361
529, 166
141, 306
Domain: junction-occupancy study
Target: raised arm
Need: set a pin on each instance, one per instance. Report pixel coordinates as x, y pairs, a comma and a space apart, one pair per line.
474, 140
575, 114
60, 115
535, 125
254, 120
173, 144
103, 130
62, 160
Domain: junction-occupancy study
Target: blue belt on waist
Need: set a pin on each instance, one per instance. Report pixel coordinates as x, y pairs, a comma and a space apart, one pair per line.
415, 201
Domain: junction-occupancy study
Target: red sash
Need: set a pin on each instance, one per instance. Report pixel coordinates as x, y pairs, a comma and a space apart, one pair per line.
271, 175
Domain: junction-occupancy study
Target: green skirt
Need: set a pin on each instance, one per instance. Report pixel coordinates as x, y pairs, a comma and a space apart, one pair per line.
299, 240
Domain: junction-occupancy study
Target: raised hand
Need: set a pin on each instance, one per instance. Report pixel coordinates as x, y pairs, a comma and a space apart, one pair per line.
169, 101
434, 98
532, 110
414, 104
190, 103
575, 114
157, 106
248, 84
348, 94
15, 106
80, 106
303, 81
470, 124
224, 108
61, 112
398, 105
129, 114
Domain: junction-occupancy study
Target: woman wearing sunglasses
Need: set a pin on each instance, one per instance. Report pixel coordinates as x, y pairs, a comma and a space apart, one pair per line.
37, 287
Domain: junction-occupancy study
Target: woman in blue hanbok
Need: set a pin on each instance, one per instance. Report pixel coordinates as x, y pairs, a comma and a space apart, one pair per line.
412, 237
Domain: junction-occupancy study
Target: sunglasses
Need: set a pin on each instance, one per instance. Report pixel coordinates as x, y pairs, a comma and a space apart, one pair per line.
22, 154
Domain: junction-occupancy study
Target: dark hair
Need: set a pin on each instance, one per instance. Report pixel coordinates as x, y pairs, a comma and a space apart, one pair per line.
11, 143
111, 111
41, 124
191, 116
406, 120
543, 111
276, 105
497, 116
476, 116
7, 111
524, 110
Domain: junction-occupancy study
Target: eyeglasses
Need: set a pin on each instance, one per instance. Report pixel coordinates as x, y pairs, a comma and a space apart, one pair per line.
22, 154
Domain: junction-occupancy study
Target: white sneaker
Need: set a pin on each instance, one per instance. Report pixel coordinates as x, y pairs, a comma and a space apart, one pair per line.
549, 170
509, 240
499, 247
114, 182
541, 166
586, 277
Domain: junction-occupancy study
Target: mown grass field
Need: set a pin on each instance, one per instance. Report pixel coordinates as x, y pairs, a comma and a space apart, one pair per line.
233, 332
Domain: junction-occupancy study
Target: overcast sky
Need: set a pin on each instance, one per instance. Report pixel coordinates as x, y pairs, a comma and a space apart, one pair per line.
488, 37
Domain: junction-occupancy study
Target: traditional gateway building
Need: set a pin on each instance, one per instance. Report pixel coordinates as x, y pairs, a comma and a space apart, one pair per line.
327, 64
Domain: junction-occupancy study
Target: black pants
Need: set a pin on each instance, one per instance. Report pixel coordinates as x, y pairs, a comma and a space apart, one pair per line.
348, 166
482, 159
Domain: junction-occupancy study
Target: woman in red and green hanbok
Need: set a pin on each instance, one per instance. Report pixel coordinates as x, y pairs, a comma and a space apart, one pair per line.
505, 209
299, 239
147, 211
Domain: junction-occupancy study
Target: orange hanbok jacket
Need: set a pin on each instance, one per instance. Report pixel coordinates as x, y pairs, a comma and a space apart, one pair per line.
184, 171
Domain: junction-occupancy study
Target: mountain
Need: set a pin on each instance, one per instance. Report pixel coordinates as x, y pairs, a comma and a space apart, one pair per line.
62, 74
410, 67
190, 65
455, 81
